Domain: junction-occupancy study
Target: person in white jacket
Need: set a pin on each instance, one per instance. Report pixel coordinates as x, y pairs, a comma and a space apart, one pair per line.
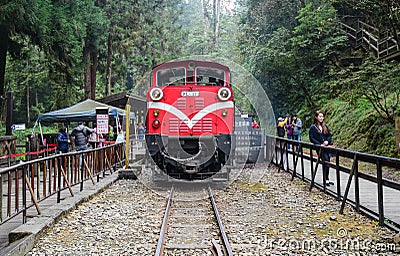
297, 125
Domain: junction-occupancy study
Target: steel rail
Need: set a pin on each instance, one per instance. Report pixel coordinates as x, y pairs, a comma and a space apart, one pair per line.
161, 239
220, 225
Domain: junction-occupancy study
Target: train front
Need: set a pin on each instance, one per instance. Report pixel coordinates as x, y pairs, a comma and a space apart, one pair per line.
190, 118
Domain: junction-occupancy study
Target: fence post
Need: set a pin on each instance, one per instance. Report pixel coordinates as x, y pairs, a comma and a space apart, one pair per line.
276, 152
346, 192
281, 165
115, 157
380, 193
80, 169
24, 194
356, 186
311, 161
1, 198
338, 190
127, 122
57, 166
285, 148
302, 161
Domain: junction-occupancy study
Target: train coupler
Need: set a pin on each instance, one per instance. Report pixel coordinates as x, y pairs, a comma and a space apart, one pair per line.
192, 167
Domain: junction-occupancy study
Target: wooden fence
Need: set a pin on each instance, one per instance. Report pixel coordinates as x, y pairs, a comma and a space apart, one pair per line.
26, 184
382, 43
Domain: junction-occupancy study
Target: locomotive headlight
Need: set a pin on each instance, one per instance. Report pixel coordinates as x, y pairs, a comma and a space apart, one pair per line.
224, 94
156, 94
156, 123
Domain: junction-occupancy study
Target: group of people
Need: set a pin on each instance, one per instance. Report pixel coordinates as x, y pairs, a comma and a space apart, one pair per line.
291, 125
83, 136
319, 134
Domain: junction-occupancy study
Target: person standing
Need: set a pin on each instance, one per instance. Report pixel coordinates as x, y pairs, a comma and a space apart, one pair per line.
120, 136
289, 129
62, 140
111, 133
320, 135
281, 127
297, 124
255, 124
141, 132
94, 137
81, 134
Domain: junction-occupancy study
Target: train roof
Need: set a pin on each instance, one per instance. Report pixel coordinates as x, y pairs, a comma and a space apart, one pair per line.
180, 63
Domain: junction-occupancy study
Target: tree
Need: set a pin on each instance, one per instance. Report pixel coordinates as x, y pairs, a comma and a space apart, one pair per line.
317, 43
382, 14
96, 23
291, 56
16, 17
377, 82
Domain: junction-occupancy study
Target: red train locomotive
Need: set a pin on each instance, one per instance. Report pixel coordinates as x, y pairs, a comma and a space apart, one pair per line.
190, 118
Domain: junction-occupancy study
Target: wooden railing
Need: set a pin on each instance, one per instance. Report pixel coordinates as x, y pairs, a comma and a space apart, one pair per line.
382, 43
7, 148
26, 184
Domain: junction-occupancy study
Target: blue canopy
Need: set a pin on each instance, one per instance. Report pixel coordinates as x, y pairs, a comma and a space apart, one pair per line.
83, 111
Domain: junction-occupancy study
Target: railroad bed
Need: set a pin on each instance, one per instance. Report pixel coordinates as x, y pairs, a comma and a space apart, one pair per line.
192, 224
263, 213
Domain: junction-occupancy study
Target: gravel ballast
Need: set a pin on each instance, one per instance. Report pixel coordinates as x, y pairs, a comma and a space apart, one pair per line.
264, 213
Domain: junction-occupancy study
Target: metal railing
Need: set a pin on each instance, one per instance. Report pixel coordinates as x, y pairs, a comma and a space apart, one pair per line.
26, 184
371, 172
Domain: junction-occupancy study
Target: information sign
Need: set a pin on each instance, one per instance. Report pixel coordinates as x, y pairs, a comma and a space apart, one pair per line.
18, 127
102, 120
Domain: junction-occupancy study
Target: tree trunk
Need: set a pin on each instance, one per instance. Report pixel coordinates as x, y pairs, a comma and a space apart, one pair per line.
217, 12
93, 69
87, 75
109, 58
394, 22
28, 96
4, 40
206, 18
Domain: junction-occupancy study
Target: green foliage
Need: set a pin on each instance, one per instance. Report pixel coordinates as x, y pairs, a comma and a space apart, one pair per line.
384, 15
51, 36
375, 82
293, 48
300, 67
360, 128
295, 57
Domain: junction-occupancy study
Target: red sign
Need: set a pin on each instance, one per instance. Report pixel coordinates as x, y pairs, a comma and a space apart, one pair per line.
102, 124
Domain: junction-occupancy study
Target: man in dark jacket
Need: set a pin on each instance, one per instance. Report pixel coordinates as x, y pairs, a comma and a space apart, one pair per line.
63, 140
81, 134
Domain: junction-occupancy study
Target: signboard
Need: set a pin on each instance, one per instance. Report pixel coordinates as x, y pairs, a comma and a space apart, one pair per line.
102, 120
18, 127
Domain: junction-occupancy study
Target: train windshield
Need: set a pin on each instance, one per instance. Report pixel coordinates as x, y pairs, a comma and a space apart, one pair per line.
210, 76
171, 76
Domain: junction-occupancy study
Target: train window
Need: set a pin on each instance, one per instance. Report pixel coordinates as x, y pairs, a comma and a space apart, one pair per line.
171, 76
190, 76
210, 76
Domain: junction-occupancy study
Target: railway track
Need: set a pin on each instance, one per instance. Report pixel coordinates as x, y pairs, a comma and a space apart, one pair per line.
192, 225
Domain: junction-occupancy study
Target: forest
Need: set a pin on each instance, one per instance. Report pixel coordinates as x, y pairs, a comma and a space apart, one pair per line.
54, 53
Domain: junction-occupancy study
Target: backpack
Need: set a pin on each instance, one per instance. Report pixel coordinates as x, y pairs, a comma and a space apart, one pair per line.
281, 131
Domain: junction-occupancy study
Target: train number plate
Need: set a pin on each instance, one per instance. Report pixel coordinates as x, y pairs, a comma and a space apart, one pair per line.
190, 93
